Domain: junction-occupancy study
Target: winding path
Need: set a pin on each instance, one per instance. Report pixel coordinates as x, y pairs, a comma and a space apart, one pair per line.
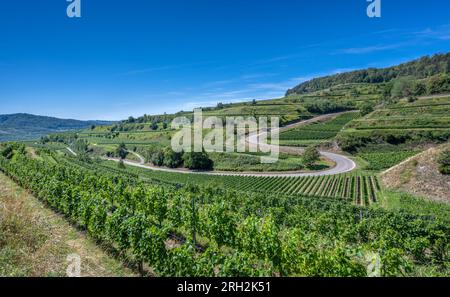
343, 163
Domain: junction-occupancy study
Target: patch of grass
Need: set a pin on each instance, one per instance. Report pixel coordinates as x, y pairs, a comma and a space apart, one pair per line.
34, 241
249, 162
401, 201
385, 160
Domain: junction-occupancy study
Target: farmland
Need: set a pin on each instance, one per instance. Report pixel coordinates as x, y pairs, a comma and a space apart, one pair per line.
334, 196
355, 189
316, 132
385, 160
175, 232
424, 120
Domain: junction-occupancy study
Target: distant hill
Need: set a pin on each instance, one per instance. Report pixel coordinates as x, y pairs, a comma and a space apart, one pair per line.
23, 126
421, 68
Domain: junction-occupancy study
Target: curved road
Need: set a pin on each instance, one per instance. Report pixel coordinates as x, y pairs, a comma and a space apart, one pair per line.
343, 163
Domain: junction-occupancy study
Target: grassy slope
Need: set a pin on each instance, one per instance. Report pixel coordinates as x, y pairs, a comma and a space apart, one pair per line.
34, 241
420, 176
421, 115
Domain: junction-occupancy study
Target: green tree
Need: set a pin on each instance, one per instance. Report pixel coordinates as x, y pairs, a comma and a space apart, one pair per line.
439, 84
419, 88
311, 156
154, 126
172, 159
122, 151
403, 87
197, 161
366, 108
157, 158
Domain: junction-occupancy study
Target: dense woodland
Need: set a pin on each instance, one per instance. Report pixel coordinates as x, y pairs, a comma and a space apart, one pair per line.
424, 67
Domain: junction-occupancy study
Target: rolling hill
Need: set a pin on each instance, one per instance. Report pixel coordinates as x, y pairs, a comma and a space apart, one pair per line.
23, 126
421, 68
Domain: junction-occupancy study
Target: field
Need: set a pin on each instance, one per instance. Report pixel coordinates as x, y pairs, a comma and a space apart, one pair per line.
316, 132
384, 160
196, 231
422, 121
357, 189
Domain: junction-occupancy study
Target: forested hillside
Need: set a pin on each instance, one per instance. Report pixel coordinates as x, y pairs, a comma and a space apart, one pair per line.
424, 67
26, 126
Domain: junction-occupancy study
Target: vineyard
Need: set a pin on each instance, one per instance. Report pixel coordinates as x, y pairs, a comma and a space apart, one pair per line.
359, 189
385, 160
353, 188
196, 231
317, 131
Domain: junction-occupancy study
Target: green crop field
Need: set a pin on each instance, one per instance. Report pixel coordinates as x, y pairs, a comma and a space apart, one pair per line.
385, 160
357, 189
317, 131
249, 232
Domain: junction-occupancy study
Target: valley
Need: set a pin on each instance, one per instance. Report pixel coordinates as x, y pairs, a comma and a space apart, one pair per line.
362, 170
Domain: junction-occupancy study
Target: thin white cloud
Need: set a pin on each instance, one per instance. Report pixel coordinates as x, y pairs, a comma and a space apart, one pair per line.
440, 33
369, 49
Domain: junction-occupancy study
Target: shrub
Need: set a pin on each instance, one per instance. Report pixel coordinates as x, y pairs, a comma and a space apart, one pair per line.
311, 156
122, 151
444, 162
121, 165
172, 159
197, 161
366, 108
157, 158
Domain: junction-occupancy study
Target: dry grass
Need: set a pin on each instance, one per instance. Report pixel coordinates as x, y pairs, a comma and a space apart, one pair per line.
420, 175
35, 241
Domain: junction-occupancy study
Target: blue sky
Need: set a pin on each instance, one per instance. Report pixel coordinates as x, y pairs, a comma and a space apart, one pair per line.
152, 56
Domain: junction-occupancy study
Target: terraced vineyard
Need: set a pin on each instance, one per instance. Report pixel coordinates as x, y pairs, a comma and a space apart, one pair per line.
359, 189
425, 120
317, 131
385, 160
354, 188
421, 114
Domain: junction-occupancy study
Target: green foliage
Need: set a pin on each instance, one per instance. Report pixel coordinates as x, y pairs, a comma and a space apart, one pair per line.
366, 108
419, 88
260, 234
157, 158
412, 123
80, 146
121, 165
402, 87
444, 162
9, 150
29, 127
154, 126
197, 161
439, 84
421, 68
122, 151
318, 131
325, 106
385, 160
172, 159
311, 156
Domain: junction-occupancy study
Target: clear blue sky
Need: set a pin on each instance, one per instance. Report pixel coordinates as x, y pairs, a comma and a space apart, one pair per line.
132, 57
